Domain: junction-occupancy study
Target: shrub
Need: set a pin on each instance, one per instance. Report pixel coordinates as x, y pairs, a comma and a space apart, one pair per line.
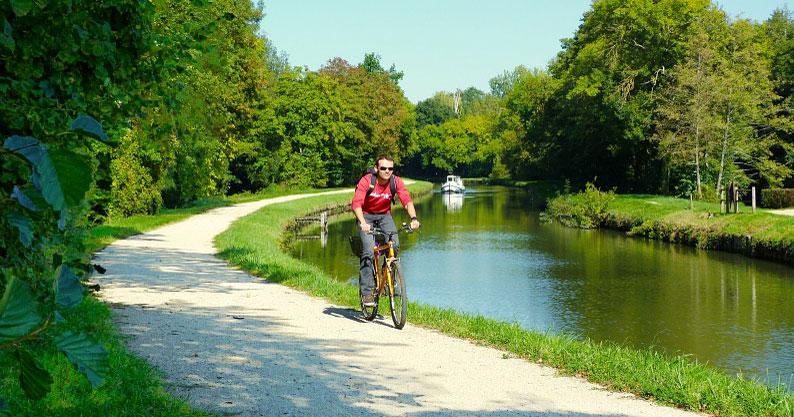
777, 197
132, 189
586, 210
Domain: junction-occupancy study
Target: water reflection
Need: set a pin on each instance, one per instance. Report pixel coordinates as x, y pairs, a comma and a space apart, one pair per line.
452, 201
492, 256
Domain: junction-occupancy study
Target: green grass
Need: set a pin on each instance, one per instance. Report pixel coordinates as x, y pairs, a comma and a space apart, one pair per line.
133, 388
672, 380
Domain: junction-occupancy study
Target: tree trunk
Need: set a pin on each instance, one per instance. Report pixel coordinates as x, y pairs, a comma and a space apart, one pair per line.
723, 152
697, 160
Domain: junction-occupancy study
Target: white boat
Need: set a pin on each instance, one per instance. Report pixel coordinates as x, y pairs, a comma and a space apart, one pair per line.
453, 185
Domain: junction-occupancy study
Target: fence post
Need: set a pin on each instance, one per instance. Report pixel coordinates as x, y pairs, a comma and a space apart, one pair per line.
722, 200
736, 203
753, 199
691, 205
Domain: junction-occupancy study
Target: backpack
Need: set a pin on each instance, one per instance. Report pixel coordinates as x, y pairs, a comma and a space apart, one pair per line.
374, 178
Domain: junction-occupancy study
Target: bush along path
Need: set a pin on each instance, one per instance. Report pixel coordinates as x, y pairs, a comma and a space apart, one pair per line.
235, 344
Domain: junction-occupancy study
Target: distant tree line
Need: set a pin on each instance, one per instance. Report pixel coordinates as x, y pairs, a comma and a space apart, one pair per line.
669, 96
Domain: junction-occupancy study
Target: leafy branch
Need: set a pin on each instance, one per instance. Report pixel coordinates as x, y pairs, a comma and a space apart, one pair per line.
34, 294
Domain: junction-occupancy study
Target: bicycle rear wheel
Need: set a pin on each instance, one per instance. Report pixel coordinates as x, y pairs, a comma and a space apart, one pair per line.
398, 299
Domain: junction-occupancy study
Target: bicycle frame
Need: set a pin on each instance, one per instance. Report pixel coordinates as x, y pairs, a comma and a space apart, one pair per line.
390, 253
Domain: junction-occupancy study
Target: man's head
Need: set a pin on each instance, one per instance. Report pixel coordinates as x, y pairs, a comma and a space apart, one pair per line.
385, 166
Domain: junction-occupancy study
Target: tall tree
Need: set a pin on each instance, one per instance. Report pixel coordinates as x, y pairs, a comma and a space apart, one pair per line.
608, 74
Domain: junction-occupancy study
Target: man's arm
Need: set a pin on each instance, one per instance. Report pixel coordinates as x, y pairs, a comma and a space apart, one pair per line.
358, 201
359, 213
412, 213
405, 199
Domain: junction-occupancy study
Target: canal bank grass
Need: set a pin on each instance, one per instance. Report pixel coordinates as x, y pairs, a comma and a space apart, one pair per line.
255, 244
133, 388
762, 234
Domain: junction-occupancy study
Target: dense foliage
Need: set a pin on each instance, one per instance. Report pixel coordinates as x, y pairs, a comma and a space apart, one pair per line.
667, 96
777, 197
192, 102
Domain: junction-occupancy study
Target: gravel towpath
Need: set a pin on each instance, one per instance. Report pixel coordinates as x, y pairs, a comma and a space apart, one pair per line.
236, 345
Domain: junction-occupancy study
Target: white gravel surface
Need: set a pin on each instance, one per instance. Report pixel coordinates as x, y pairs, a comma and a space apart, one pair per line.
783, 212
236, 345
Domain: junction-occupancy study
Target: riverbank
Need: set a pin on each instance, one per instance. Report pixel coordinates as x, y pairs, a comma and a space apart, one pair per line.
669, 380
763, 234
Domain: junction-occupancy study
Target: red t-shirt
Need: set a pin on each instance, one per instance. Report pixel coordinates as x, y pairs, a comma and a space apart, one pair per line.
379, 200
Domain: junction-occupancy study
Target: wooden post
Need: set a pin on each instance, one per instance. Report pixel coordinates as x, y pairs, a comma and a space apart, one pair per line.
691, 205
753, 199
736, 202
722, 200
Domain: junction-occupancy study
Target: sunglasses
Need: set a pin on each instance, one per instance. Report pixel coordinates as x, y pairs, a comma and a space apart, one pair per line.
386, 168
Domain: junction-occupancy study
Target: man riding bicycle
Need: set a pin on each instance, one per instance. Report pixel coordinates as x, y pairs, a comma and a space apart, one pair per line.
372, 206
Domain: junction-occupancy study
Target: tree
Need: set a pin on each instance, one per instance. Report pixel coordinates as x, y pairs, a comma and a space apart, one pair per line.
686, 120
716, 111
371, 64
779, 28
744, 105
434, 110
503, 83
608, 73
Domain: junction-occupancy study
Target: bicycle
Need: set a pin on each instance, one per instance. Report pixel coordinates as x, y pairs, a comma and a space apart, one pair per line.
388, 277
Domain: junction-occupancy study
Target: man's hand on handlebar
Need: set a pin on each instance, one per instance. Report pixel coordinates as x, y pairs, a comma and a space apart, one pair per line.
415, 224
366, 227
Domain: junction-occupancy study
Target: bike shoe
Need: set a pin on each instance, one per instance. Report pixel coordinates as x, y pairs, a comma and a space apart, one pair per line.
368, 300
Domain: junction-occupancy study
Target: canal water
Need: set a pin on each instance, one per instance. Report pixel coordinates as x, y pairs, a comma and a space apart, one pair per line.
487, 253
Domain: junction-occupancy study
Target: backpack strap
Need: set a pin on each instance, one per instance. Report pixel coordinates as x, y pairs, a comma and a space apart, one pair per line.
372, 179
393, 187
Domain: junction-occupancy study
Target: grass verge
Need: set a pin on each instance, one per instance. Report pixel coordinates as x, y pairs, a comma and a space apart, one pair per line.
672, 380
761, 234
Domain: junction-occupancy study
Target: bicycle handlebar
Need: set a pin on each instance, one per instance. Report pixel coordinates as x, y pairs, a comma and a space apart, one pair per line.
378, 231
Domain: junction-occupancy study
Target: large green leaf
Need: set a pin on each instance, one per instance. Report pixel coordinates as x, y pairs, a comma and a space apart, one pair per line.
69, 292
89, 357
33, 378
21, 7
23, 199
24, 225
34, 195
73, 176
18, 312
87, 125
36, 153
27, 146
63, 176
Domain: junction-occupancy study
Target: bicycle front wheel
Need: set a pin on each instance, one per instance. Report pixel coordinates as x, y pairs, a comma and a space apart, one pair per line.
398, 299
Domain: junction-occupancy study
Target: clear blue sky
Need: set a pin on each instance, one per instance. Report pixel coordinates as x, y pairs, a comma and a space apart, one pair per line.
439, 44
